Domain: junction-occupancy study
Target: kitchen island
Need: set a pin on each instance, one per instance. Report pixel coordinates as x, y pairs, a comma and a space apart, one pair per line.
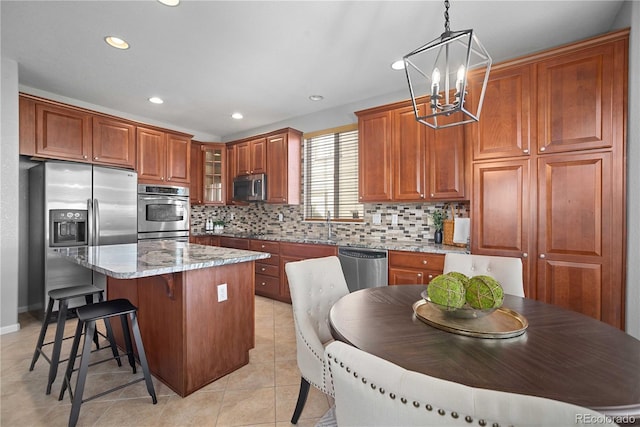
195, 304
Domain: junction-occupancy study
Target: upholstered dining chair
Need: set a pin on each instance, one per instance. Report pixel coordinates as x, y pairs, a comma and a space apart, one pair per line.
370, 391
315, 285
506, 270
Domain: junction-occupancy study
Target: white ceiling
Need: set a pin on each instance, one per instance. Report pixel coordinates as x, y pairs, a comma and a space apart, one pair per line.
207, 59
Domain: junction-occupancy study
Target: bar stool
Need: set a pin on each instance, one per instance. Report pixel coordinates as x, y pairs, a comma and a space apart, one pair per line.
63, 296
87, 317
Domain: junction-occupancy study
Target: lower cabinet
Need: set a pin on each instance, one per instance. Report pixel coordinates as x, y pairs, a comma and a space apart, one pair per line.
414, 268
267, 270
205, 240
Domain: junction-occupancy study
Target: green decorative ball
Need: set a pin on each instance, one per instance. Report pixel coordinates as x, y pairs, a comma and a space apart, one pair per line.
460, 276
446, 291
484, 292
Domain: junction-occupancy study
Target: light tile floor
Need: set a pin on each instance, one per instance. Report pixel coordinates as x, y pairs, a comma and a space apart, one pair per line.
262, 393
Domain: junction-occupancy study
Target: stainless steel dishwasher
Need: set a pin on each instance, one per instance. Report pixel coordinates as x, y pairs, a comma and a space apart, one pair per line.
364, 268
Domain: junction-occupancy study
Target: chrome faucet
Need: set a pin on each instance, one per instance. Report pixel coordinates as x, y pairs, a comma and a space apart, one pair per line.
329, 234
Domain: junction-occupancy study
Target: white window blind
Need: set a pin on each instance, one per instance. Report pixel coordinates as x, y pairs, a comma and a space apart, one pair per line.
331, 175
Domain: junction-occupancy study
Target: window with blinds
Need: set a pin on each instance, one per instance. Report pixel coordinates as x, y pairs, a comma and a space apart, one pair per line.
331, 175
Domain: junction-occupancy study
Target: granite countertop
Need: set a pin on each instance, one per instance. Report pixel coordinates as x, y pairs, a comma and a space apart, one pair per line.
145, 259
395, 245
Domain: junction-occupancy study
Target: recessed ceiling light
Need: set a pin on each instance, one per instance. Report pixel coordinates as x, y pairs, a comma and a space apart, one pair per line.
116, 42
156, 100
170, 2
398, 65
237, 116
316, 97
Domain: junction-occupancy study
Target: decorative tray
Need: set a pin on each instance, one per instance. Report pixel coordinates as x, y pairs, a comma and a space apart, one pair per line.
502, 323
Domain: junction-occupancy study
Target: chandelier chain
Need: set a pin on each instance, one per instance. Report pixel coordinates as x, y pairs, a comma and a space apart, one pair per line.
446, 16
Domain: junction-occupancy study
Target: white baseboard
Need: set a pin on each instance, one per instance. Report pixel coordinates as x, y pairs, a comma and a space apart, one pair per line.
9, 329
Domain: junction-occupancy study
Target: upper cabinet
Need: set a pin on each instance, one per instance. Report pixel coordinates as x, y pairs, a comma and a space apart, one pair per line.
163, 157
277, 154
208, 173
57, 131
401, 159
251, 157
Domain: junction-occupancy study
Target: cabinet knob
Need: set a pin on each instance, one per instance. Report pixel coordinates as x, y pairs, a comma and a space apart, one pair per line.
543, 256
162, 178
424, 261
430, 276
422, 196
432, 195
263, 284
526, 151
95, 158
262, 246
419, 274
263, 269
525, 255
542, 149
84, 157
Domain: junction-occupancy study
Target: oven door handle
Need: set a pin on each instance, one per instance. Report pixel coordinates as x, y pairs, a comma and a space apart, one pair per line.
172, 201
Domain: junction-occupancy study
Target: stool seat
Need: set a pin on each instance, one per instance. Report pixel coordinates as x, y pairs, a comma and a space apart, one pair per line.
73, 292
105, 309
87, 317
62, 296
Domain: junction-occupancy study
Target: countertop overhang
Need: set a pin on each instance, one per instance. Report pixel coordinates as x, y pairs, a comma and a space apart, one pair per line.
144, 259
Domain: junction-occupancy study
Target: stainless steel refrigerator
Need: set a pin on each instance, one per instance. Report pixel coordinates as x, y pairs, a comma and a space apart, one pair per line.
75, 204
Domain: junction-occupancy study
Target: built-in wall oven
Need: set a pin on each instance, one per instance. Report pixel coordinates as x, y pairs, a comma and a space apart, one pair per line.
163, 212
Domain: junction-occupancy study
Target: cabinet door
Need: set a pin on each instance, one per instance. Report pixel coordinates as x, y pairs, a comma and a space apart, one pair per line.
196, 181
576, 236
231, 171
178, 158
243, 159
258, 155
446, 159
501, 222
409, 155
404, 276
214, 173
374, 151
277, 171
151, 155
507, 121
578, 97
63, 133
114, 142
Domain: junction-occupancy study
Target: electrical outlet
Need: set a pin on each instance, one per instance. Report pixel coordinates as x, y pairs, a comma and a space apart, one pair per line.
394, 219
222, 292
280, 217
377, 219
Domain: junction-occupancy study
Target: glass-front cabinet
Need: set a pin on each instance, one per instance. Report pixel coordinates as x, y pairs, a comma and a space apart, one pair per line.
213, 173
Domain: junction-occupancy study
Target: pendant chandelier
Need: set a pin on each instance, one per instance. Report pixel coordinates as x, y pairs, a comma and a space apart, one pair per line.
432, 70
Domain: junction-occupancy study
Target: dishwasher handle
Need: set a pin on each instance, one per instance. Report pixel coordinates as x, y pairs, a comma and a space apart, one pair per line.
360, 253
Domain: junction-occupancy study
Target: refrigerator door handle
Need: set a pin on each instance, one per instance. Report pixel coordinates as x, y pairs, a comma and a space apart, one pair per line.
96, 220
91, 221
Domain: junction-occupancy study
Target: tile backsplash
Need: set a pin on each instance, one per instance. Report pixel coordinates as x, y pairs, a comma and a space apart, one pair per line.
414, 221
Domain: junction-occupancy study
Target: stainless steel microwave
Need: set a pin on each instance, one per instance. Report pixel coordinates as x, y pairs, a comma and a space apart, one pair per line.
250, 188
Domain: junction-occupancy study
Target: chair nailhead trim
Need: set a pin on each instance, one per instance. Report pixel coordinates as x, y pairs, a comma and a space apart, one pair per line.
454, 415
392, 395
441, 412
429, 407
355, 374
364, 380
416, 404
468, 419
373, 386
482, 422
341, 365
403, 400
381, 390
348, 370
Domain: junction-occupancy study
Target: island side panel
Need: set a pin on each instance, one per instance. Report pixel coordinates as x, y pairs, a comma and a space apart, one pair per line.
162, 326
127, 289
219, 334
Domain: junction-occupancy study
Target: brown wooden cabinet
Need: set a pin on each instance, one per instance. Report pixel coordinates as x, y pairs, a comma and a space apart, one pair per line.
208, 182
251, 157
290, 252
283, 167
414, 268
205, 240
163, 157
562, 205
278, 155
267, 270
53, 130
402, 160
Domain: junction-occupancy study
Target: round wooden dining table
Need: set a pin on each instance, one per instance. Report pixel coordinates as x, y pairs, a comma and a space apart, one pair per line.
562, 355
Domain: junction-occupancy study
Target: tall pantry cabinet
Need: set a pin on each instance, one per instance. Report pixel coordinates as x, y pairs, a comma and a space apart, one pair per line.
549, 173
